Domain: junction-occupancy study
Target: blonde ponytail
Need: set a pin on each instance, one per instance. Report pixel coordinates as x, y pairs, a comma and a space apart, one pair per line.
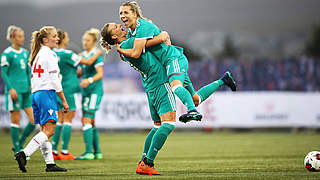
37, 41
35, 46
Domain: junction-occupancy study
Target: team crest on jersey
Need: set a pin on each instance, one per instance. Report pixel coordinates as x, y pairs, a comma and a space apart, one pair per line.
15, 56
50, 111
25, 55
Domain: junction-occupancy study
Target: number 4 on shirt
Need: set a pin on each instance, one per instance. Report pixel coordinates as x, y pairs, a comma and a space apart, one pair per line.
38, 70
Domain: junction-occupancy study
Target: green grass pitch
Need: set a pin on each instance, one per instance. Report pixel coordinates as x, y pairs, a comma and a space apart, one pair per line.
193, 155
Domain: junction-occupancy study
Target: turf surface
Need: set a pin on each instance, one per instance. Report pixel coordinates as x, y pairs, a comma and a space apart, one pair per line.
184, 156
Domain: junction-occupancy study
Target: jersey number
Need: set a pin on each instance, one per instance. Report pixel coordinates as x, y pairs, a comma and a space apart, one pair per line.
39, 70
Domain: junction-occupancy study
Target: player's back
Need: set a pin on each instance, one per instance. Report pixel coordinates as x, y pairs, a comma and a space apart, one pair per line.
152, 72
45, 62
147, 30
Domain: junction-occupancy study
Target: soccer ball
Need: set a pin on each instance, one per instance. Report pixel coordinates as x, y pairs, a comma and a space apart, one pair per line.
312, 161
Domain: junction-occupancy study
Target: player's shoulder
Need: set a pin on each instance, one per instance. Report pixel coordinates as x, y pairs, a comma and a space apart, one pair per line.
47, 52
8, 50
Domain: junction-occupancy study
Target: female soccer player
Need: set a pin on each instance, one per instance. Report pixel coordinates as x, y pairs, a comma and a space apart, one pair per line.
171, 57
16, 76
160, 97
68, 63
91, 95
45, 84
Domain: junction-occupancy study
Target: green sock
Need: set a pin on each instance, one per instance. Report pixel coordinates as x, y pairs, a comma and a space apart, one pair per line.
66, 134
25, 133
209, 89
148, 142
14, 133
159, 138
185, 97
56, 137
96, 145
88, 137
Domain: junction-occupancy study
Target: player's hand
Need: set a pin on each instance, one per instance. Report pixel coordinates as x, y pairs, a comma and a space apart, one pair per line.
168, 42
84, 83
164, 36
13, 94
65, 107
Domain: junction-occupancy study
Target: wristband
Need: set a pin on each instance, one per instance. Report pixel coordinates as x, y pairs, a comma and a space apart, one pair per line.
90, 79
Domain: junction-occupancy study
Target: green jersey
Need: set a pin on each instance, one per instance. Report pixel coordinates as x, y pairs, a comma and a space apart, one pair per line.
152, 72
90, 71
68, 62
15, 70
148, 30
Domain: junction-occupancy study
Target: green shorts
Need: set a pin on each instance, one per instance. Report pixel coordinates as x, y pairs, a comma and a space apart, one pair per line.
23, 101
90, 104
161, 100
177, 69
72, 100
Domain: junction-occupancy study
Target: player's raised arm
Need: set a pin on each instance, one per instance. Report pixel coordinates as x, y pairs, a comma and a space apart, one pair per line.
160, 38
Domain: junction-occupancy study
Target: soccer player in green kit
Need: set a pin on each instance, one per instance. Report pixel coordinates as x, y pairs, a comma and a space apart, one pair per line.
160, 97
171, 57
16, 76
92, 91
68, 64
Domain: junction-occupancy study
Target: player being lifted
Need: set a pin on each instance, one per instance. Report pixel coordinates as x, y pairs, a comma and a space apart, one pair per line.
45, 84
68, 63
16, 77
161, 100
171, 57
91, 95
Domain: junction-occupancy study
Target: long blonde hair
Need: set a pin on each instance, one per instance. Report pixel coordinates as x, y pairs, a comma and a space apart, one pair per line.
37, 41
11, 30
135, 8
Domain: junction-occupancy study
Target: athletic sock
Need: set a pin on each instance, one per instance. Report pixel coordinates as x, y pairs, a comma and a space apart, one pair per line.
66, 134
46, 149
88, 137
96, 145
14, 133
185, 97
158, 140
25, 133
56, 137
35, 143
148, 141
209, 89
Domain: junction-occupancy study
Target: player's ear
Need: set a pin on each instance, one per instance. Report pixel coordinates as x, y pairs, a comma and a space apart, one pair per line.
114, 36
45, 40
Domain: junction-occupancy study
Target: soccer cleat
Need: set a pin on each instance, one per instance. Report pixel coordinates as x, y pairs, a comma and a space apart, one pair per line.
21, 159
138, 170
148, 169
98, 156
68, 156
54, 168
191, 115
228, 80
56, 156
85, 156
14, 152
